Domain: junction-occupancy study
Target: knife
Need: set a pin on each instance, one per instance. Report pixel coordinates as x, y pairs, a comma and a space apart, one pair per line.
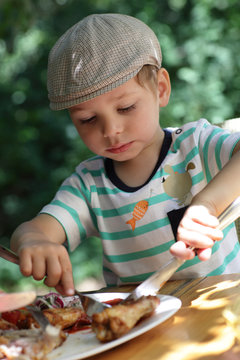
89, 303
44, 323
8, 255
155, 282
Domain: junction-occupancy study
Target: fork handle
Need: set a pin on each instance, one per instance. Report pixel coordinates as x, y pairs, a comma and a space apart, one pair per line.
155, 282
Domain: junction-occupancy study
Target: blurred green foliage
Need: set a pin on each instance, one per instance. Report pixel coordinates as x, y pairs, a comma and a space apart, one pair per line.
39, 148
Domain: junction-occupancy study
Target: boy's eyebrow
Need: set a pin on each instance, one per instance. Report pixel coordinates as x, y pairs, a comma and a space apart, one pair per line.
120, 97
75, 108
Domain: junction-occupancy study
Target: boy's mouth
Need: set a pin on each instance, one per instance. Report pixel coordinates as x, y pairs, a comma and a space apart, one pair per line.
120, 148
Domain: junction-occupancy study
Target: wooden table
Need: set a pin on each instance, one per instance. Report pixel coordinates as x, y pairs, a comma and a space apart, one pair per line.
197, 331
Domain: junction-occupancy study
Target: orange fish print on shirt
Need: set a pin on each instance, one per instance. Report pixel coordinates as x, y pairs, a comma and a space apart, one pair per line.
138, 213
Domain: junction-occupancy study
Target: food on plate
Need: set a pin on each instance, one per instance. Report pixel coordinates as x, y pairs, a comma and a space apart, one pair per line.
114, 322
28, 344
6, 325
66, 317
22, 338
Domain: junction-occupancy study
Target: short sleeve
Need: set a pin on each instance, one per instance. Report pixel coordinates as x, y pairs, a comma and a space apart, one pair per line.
71, 206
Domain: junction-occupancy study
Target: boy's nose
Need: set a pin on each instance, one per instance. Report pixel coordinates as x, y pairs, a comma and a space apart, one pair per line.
112, 127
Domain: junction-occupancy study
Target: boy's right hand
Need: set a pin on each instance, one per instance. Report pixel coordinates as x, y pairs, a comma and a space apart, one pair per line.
38, 244
43, 258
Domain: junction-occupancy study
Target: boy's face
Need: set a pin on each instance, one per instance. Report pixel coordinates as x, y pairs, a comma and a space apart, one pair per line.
120, 124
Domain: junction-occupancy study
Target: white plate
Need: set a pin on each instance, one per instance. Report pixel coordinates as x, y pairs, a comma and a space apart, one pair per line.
83, 344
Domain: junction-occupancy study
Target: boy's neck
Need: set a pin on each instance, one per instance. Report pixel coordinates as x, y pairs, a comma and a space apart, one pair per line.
136, 172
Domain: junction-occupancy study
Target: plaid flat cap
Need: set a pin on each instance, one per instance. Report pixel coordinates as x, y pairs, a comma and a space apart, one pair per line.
96, 55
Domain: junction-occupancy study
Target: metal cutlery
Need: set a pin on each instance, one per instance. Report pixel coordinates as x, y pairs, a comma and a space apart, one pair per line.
154, 283
151, 285
44, 323
8, 255
89, 303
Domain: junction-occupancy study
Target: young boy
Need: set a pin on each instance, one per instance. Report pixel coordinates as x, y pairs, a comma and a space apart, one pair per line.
147, 186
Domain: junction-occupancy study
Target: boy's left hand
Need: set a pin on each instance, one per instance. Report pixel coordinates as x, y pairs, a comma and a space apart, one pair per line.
197, 229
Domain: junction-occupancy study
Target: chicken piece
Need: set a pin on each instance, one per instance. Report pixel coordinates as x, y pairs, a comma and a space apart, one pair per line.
116, 321
6, 325
65, 317
30, 344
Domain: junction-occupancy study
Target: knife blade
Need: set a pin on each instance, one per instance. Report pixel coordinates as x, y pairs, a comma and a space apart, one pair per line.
90, 304
155, 282
44, 323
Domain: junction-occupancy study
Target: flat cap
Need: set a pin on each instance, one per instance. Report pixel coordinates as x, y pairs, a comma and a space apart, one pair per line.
96, 55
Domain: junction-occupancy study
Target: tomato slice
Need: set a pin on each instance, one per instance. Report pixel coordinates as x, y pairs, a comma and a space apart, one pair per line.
12, 316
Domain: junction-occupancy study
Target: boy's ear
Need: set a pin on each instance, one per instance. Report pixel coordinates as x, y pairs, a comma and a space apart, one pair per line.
164, 87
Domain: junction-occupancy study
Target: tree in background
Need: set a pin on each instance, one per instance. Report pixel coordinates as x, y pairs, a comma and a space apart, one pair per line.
39, 148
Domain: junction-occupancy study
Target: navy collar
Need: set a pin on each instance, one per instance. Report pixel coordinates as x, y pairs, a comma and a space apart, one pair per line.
118, 182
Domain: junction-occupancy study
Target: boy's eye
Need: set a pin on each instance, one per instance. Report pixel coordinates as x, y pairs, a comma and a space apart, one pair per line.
128, 108
88, 121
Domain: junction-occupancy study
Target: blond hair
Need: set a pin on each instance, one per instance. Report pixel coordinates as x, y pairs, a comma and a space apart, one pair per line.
147, 77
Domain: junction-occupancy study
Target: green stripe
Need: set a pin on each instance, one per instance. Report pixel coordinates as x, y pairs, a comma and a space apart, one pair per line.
126, 209
72, 190
140, 254
205, 153
136, 278
94, 173
94, 158
189, 263
107, 191
182, 166
73, 213
191, 154
107, 270
140, 230
197, 178
218, 150
229, 258
77, 193
84, 189
225, 232
182, 137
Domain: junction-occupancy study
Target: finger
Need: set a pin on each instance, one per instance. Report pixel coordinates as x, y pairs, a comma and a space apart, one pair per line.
190, 225
39, 270
54, 271
60, 274
25, 263
195, 239
200, 214
180, 249
204, 254
66, 283
66, 286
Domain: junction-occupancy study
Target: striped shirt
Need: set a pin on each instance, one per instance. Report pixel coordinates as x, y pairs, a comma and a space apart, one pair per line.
135, 224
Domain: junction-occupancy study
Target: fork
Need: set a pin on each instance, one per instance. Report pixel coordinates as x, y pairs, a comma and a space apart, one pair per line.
155, 282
